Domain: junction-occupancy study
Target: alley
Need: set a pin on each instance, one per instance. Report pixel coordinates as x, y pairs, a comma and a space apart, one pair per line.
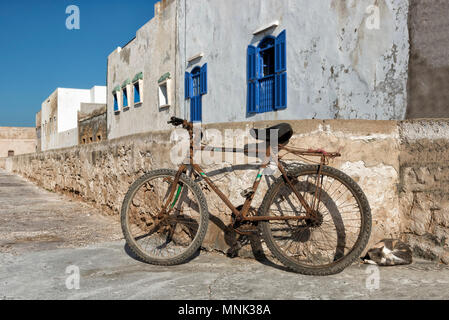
44, 237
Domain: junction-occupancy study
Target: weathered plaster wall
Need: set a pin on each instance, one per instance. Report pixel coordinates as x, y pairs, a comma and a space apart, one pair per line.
152, 52
92, 123
429, 59
102, 173
337, 67
424, 187
19, 140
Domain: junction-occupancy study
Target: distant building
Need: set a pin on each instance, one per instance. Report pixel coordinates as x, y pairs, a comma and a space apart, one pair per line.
15, 141
240, 61
59, 115
92, 123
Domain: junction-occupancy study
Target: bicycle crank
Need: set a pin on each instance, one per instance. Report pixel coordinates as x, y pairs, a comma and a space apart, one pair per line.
245, 228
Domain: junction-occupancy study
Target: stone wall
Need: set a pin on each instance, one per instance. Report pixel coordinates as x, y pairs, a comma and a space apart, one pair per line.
402, 167
424, 187
102, 173
92, 123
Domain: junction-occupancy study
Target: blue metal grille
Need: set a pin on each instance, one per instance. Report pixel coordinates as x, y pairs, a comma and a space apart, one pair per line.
195, 102
266, 96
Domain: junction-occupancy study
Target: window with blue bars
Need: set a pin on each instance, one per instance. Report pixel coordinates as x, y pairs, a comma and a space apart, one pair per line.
195, 88
116, 107
125, 97
267, 75
137, 98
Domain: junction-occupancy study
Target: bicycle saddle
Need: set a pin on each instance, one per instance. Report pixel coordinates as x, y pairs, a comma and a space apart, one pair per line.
285, 132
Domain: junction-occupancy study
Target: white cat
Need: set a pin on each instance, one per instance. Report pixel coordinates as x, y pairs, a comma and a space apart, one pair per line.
389, 252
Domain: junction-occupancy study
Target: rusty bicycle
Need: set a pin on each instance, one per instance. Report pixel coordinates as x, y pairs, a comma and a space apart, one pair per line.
314, 219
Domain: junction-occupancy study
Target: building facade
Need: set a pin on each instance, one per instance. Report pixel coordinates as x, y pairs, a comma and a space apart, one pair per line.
141, 77
16, 141
92, 123
278, 60
59, 115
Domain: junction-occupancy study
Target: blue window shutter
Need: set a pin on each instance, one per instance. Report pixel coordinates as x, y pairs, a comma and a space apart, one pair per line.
253, 66
188, 85
136, 93
252, 63
203, 79
125, 98
199, 110
196, 106
281, 91
281, 71
115, 103
281, 52
253, 96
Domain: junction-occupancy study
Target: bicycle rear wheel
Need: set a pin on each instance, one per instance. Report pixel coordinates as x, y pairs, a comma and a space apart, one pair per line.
176, 237
328, 244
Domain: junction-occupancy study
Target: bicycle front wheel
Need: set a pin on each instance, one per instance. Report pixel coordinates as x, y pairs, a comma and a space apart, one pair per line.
179, 234
334, 239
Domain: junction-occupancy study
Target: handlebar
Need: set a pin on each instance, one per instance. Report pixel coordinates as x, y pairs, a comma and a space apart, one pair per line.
176, 121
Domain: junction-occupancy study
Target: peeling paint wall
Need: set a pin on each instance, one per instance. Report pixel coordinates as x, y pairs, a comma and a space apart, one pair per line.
92, 123
152, 52
337, 67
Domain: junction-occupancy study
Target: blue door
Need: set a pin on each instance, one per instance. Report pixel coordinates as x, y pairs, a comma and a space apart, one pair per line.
195, 88
196, 101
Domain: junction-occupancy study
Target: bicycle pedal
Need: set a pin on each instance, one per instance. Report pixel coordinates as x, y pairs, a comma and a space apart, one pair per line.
247, 193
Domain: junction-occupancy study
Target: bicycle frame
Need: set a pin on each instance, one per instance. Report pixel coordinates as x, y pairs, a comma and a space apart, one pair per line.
243, 214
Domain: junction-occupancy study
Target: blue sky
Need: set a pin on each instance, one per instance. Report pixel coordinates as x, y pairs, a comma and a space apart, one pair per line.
39, 54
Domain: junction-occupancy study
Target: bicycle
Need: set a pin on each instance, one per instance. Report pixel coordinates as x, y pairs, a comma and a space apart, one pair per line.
314, 219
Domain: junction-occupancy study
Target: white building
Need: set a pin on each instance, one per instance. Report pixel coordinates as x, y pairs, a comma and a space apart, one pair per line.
255, 60
59, 115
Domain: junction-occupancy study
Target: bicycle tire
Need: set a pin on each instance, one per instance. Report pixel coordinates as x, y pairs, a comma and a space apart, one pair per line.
349, 257
201, 230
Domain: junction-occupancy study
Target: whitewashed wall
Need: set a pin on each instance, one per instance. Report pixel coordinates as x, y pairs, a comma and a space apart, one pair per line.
152, 52
337, 67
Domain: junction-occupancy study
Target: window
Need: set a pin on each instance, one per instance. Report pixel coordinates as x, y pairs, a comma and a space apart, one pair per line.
267, 75
84, 140
125, 97
126, 90
137, 93
138, 88
195, 88
116, 94
164, 93
98, 138
116, 108
11, 153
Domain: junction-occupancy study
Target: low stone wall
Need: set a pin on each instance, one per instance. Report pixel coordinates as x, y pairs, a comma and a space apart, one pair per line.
101, 173
403, 167
424, 187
